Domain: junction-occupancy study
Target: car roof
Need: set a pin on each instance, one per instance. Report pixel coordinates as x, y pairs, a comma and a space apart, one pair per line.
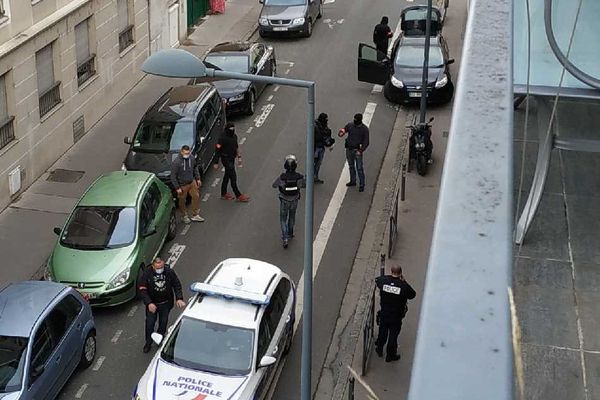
232, 47
257, 277
116, 189
181, 102
419, 41
22, 303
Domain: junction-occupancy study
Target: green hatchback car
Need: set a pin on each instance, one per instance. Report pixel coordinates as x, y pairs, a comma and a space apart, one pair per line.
119, 225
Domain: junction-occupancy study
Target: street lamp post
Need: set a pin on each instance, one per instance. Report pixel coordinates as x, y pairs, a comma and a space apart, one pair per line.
179, 63
423, 109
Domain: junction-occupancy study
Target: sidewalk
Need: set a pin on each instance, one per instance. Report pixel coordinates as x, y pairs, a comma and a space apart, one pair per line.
26, 236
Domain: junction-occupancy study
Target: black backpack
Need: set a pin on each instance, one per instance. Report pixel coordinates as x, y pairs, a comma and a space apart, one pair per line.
290, 184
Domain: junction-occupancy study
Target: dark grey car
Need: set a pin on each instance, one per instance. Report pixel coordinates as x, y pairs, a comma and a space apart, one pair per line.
289, 17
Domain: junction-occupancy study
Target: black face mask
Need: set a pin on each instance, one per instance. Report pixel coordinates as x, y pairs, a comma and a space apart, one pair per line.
230, 131
357, 122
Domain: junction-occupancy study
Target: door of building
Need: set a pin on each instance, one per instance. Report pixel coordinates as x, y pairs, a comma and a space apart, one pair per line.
196, 9
174, 25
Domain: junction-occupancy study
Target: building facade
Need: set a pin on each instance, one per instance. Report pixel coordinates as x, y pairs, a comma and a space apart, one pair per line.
63, 65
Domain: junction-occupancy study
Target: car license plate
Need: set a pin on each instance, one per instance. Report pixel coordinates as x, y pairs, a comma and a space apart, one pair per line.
87, 296
414, 94
280, 29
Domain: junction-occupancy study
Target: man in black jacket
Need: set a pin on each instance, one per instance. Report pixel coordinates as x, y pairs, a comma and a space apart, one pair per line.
381, 35
356, 144
185, 178
322, 139
228, 151
159, 286
394, 294
289, 184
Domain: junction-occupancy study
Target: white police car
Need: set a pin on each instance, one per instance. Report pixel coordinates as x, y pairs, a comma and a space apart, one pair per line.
229, 340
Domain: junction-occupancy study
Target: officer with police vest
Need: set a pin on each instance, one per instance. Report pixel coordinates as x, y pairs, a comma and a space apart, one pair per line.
394, 294
289, 184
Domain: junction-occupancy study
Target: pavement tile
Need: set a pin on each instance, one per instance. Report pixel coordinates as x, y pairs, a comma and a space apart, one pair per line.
552, 374
583, 214
587, 276
592, 369
553, 181
547, 274
547, 316
581, 173
589, 312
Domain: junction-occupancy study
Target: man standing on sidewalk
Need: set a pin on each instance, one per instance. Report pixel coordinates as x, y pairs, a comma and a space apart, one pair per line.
158, 286
228, 151
356, 144
394, 294
186, 180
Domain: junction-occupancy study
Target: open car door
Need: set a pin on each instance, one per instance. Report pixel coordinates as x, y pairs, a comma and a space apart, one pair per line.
413, 21
373, 65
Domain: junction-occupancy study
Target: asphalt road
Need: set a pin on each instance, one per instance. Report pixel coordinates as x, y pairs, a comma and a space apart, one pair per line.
252, 230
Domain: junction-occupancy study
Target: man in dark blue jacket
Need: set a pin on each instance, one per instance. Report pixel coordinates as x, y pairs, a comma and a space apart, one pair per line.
356, 144
289, 184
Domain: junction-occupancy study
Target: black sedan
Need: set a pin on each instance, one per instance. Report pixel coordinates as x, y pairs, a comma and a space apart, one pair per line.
241, 57
401, 74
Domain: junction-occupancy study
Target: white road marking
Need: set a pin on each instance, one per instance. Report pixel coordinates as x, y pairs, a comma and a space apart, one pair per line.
185, 230
326, 21
242, 141
99, 363
206, 197
287, 71
276, 88
328, 1
377, 89
270, 98
266, 110
290, 63
249, 130
328, 222
175, 252
131, 312
116, 336
215, 182
340, 21
79, 393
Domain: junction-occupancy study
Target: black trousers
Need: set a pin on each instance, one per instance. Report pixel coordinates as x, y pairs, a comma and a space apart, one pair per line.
388, 332
162, 315
382, 48
230, 176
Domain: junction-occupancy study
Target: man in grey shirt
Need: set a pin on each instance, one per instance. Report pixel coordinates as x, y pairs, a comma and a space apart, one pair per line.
356, 144
186, 180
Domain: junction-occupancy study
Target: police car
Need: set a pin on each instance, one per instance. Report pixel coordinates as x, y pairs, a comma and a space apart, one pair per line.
229, 340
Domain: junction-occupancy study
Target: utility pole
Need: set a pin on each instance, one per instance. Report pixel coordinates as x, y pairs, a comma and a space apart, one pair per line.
423, 109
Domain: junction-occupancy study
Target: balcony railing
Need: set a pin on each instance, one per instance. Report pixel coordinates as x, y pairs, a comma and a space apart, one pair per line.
49, 99
7, 132
86, 69
126, 38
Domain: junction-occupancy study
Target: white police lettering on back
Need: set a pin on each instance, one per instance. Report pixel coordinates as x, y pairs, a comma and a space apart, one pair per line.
391, 289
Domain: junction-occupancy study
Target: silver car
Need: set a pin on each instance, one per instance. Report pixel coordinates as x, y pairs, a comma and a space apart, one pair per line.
289, 17
46, 331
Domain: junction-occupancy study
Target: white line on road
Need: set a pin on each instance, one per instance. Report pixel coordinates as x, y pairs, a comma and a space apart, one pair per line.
205, 198
377, 89
266, 110
185, 230
215, 182
328, 222
249, 130
131, 312
270, 98
276, 88
116, 336
290, 63
287, 71
242, 141
328, 1
175, 252
79, 393
99, 363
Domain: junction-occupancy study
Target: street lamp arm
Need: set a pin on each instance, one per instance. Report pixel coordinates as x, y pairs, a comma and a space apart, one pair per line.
210, 72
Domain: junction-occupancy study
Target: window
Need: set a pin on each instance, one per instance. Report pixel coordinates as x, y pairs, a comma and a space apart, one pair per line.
216, 102
209, 114
161, 137
229, 63
149, 207
42, 348
70, 307
13, 352
201, 129
98, 228
85, 60
154, 193
276, 306
257, 53
125, 26
2, 10
7, 132
264, 338
48, 88
413, 56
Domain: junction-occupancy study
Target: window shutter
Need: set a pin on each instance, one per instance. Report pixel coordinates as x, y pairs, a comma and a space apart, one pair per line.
122, 15
3, 106
45, 69
82, 42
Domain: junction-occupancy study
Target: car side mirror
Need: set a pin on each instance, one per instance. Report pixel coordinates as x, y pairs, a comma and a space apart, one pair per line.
127, 140
37, 371
450, 61
267, 361
202, 139
157, 338
57, 230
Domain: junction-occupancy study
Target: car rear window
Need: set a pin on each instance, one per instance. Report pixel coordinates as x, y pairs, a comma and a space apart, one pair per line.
12, 362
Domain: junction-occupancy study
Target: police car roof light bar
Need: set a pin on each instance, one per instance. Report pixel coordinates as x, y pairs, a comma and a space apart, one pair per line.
258, 299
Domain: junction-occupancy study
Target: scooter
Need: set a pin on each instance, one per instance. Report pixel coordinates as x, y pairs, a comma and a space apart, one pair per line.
419, 134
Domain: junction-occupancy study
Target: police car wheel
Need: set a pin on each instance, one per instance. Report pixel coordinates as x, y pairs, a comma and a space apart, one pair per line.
89, 350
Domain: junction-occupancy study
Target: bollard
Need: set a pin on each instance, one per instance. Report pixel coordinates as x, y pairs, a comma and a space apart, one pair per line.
351, 388
403, 184
382, 267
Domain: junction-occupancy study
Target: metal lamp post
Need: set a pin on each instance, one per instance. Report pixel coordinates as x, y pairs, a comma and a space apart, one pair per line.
423, 109
179, 63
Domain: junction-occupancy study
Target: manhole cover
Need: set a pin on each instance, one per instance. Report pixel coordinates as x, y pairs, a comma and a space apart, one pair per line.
65, 176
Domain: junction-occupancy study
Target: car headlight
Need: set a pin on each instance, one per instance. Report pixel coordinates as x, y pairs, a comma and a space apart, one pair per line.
263, 21
119, 280
298, 21
397, 82
441, 82
237, 97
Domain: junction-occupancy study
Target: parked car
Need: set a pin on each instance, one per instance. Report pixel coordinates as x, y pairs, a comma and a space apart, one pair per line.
289, 17
118, 226
245, 58
402, 74
184, 115
229, 340
46, 331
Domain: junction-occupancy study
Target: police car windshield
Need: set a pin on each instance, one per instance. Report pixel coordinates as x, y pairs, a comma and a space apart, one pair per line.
210, 347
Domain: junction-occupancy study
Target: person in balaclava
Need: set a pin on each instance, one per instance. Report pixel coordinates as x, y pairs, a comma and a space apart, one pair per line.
322, 139
381, 35
227, 151
356, 144
289, 184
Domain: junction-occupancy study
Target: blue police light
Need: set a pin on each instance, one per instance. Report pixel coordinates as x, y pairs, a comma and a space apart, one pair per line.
206, 289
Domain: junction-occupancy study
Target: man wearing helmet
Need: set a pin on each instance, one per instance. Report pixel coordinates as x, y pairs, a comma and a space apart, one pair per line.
289, 184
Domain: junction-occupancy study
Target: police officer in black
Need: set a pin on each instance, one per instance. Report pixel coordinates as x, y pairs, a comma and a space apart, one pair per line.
289, 184
394, 293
